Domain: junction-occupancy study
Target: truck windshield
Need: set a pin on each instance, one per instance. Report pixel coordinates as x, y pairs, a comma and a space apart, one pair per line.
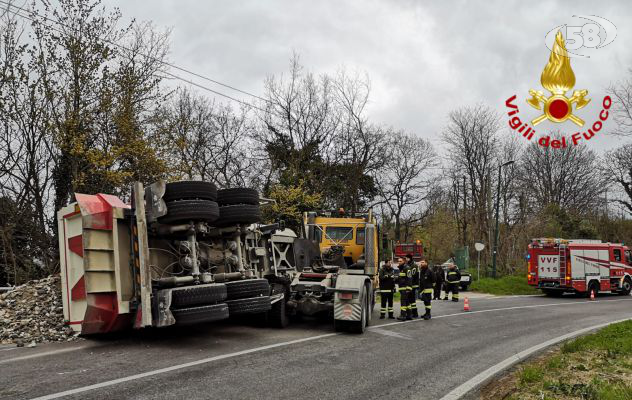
339, 233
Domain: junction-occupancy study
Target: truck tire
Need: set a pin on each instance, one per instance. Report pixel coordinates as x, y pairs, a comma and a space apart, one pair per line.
190, 210
190, 190
226, 197
360, 326
626, 287
253, 305
277, 316
197, 295
593, 287
194, 315
238, 214
247, 288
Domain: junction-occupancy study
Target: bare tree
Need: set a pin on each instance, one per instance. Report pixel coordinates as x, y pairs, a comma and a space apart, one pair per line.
618, 169
406, 178
568, 177
621, 109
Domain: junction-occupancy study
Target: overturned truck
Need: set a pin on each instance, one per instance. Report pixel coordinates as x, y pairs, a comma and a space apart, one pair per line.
183, 253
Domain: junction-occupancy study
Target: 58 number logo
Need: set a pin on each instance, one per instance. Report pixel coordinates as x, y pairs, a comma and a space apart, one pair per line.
587, 36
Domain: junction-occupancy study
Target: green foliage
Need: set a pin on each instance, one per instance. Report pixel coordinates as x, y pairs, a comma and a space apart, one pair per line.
506, 285
530, 374
615, 339
290, 202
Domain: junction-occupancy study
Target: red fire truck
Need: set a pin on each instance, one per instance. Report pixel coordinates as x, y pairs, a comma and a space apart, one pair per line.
581, 266
402, 249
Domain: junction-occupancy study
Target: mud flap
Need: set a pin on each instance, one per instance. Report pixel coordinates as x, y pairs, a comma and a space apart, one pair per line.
349, 309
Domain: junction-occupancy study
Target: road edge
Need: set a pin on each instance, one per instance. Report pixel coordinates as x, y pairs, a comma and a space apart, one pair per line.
483, 377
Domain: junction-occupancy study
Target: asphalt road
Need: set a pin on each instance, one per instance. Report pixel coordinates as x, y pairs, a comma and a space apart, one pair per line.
308, 360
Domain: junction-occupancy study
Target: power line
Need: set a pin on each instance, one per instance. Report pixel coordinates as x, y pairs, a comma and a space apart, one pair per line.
8, 7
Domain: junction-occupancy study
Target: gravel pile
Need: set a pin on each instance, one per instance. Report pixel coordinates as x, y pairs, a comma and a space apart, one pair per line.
33, 313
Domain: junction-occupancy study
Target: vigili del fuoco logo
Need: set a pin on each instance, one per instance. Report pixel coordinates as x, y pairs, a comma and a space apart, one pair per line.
558, 79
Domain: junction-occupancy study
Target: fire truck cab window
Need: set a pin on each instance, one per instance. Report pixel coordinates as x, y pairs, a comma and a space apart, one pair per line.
360, 235
339, 233
617, 254
628, 257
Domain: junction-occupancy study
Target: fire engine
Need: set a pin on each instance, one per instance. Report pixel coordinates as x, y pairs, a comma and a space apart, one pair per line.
581, 266
416, 249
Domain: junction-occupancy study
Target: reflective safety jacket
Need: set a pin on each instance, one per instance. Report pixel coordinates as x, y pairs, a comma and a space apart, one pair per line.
414, 275
453, 275
405, 277
426, 278
387, 279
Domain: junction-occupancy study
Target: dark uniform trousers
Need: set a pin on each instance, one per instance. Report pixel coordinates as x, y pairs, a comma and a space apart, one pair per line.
437, 290
412, 301
386, 296
452, 285
404, 293
426, 297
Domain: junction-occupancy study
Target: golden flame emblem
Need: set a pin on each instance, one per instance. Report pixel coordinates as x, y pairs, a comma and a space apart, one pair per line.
558, 78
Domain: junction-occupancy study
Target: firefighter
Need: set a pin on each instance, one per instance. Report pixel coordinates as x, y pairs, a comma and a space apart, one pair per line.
453, 279
387, 288
439, 278
404, 282
414, 286
426, 280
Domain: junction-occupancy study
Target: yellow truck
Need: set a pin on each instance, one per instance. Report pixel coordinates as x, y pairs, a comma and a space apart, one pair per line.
343, 280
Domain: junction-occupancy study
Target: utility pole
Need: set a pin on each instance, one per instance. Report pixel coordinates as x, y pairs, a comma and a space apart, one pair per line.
495, 250
464, 213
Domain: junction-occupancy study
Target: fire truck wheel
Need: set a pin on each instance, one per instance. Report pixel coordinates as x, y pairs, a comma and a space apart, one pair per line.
196, 295
593, 287
247, 288
253, 305
238, 214
190, 190
626, 287
190, 210
194, 315
232, 196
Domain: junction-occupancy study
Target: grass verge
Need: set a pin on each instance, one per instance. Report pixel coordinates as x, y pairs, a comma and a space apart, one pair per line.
593, 367
507, 285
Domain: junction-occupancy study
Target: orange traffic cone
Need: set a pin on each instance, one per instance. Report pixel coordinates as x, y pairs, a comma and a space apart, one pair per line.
466, 304
592, 294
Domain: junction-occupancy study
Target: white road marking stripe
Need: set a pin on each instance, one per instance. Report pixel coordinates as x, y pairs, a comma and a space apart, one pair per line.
42, 354
390, 333
262, 348
471, 384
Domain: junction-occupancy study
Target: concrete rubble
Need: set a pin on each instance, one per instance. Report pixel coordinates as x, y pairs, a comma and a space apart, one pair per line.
33, 313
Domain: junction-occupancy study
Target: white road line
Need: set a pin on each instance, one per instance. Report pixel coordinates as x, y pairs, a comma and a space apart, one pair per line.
262, 348
42, 354
390, 333
471, 384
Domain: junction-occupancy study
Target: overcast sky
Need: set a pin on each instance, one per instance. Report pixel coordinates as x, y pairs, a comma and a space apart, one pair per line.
423, 58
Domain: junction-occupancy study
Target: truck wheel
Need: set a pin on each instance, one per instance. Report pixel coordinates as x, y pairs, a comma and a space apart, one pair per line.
196, 295
247, 288
340, 326
190, 210
238, 214
190, 190
360, 326
277, 316
464, 288
593, 287
232, 196
626, 287
194, 315
253, 305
